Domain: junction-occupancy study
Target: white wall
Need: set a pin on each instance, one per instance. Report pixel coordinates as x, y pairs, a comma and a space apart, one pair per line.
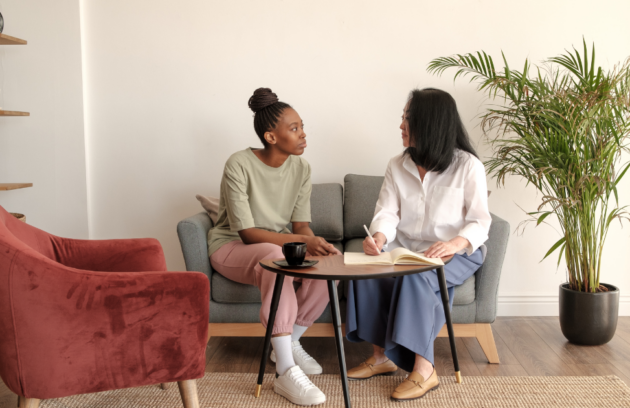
47, 148
166, 88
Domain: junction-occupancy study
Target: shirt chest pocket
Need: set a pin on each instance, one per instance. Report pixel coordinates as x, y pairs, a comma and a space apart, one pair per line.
447, 204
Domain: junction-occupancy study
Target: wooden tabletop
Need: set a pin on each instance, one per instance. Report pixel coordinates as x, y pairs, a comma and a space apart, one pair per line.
332, 267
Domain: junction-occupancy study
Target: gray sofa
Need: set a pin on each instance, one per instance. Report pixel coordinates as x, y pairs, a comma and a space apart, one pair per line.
338, 215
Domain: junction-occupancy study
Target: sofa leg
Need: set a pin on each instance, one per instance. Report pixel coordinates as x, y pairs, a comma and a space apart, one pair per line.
24, 402
486, 341
188, 391
165, 386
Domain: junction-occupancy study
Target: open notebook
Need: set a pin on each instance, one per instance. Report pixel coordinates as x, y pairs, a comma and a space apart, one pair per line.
399, 256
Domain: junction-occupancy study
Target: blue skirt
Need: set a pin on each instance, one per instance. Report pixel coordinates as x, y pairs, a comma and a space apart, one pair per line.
404, 314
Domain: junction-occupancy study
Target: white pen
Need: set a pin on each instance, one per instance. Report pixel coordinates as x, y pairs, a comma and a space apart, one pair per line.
370, 235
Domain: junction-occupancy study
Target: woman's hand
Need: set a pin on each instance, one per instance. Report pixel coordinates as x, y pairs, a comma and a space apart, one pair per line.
319, 247
441, 249
368, 246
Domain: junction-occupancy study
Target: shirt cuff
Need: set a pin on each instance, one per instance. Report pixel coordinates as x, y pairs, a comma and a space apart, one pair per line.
245, 224
385, 228
476, 238
301, 219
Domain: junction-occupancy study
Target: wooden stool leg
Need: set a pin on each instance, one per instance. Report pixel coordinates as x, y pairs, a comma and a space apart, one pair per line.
275, 300
188, 391
449, 324
24, 402
486, 341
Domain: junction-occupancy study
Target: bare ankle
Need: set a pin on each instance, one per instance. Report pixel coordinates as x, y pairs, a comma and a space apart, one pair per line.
379, 355
423, 367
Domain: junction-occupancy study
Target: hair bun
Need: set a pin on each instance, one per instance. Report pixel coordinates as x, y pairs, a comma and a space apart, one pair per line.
262, 98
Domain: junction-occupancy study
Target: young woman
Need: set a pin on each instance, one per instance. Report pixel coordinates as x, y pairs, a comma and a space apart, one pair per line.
262, 190
433, 200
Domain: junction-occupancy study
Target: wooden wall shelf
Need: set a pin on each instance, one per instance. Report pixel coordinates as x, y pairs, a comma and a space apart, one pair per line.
13, 113
14, 186
8, 40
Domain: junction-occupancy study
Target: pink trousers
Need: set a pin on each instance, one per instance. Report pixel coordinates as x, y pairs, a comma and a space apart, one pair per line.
239, 262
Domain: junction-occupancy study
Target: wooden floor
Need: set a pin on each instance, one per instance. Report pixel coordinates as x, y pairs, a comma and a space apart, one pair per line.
527, 346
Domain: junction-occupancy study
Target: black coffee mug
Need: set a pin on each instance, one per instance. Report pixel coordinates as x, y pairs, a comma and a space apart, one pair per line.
294, 252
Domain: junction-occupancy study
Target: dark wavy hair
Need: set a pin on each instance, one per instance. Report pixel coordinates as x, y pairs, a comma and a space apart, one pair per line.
267, 110
435, 129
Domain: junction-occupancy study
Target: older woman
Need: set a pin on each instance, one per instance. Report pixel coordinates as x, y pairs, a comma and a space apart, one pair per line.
433, 200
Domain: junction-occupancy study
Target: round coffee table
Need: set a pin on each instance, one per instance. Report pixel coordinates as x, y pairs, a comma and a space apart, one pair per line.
331, 269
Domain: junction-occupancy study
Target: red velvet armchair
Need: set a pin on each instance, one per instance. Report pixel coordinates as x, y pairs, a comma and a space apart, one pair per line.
79, 316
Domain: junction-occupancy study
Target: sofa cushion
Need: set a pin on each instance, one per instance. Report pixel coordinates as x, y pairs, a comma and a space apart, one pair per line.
360, 196
327, 211
464, 294
224, 290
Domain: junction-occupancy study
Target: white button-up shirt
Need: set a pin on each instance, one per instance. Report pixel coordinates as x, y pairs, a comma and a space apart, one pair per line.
415, 214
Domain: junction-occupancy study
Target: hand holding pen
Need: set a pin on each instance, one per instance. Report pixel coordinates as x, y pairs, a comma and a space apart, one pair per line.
373, 245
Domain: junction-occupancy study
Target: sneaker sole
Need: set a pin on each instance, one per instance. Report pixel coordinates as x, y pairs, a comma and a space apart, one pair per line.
296, 400
411, 399
372, 376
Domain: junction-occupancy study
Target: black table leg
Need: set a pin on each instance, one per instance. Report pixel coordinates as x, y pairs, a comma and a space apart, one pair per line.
449, 324
277, 291
334, 309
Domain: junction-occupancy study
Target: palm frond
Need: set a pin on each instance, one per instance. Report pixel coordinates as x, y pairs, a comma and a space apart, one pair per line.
562, 129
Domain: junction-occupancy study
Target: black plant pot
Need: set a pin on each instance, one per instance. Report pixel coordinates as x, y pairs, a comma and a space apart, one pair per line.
589, 318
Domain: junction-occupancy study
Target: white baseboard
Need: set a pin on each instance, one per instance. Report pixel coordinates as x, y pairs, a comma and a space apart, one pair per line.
542, 305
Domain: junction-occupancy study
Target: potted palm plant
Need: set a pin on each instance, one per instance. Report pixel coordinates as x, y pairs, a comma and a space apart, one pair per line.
562, 126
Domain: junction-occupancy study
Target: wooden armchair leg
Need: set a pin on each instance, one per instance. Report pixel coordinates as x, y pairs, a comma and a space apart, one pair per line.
24, 402
486, 341
188, 391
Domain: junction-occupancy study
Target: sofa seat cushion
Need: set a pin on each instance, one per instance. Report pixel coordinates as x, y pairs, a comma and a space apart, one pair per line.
464, 294
224, 290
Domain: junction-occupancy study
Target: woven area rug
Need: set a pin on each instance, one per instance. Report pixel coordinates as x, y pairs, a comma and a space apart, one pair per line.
237, 389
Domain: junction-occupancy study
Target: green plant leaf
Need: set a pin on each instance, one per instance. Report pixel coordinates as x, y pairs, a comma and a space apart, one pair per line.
563, 129
554, 247
542, 217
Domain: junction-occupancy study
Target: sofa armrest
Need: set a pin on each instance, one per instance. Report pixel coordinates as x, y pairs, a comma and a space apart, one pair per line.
77, 332
112, 255
193, 237
488, 276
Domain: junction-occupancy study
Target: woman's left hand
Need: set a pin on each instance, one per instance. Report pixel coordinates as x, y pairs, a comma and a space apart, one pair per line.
442, 249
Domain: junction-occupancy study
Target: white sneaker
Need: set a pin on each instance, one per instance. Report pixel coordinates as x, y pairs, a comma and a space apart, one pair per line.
302, 358
295, 386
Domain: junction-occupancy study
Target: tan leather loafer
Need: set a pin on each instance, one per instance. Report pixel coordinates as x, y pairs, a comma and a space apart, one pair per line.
415, 387
368, 369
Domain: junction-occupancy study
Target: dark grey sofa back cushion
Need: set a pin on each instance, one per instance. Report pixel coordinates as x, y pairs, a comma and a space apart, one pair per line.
327, 211
360, 196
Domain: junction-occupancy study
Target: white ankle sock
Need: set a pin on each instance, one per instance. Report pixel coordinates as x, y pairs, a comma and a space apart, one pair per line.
298, 331
284, 353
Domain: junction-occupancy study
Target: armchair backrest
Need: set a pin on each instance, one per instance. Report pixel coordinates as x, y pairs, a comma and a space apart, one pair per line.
17, 234
18, 241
